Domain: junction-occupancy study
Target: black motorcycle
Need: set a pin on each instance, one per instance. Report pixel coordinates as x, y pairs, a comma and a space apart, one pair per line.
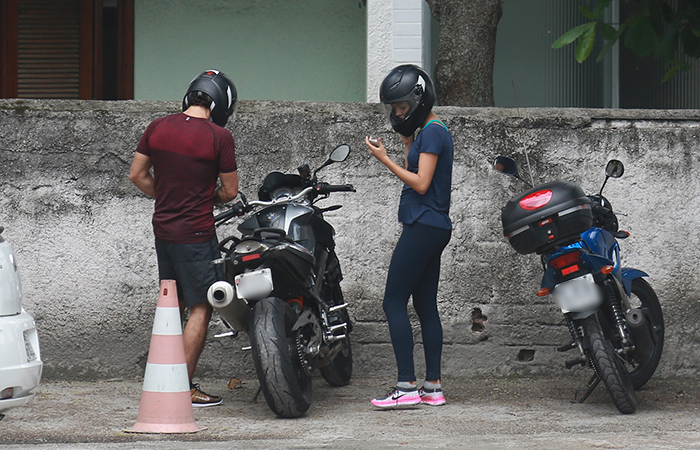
282, 286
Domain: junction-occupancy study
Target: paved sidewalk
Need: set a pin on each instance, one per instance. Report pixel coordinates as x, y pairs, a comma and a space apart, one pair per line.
481, 414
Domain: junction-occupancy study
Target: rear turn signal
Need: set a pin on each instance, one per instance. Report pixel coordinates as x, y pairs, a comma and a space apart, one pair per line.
542, 292
606, 270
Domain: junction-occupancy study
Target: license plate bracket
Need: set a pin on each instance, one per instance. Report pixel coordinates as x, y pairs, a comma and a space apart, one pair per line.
578, 295
254, 285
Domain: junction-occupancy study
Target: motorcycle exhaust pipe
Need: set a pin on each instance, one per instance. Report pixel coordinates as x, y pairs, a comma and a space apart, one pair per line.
641, 334
222, 297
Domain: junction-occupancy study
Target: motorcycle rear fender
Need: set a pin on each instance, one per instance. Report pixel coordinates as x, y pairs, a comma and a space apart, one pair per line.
628, 275
582, 315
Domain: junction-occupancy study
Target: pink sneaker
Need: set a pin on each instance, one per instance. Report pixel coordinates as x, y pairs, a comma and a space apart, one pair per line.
398, 398
432, 397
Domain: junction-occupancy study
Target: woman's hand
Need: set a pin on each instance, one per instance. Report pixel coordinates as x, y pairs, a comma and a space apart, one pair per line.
419, 182
377, 150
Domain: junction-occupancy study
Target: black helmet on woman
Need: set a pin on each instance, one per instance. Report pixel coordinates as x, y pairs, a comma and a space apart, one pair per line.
218, 87
408, 95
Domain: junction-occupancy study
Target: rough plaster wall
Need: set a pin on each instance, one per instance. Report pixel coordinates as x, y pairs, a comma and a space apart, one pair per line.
84, 244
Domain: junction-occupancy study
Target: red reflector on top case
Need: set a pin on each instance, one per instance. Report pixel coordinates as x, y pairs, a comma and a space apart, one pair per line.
250, 257
536, 200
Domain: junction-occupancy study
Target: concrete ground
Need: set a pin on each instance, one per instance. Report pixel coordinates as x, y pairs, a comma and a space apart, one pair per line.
480, 414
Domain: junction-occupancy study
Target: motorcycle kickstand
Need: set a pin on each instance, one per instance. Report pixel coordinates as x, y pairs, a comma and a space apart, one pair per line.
592, 383
257, 394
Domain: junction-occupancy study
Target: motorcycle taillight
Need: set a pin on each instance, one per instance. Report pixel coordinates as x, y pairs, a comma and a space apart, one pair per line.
567, 263
536, 200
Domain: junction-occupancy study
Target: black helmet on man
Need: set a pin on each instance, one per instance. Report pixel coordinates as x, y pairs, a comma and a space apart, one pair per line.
408, 95
220, 89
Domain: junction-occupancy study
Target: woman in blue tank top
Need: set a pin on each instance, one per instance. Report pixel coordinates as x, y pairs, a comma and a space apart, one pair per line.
408, 95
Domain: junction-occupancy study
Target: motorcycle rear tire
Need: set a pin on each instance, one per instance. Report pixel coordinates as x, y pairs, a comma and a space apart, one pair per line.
339, 370
649, 301
286, 385
609, 367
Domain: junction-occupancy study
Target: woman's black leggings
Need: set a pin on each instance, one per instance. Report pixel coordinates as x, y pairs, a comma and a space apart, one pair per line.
415, 271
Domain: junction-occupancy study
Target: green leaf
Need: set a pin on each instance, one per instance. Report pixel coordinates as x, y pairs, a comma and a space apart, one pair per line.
691, 44
677, 65
608, 31
600, 6
609, 45
670, 73
605, 50
571, 35
587, 13
667, 47
641, 37
586, 43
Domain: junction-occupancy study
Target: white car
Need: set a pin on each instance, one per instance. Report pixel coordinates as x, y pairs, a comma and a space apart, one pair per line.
20, 360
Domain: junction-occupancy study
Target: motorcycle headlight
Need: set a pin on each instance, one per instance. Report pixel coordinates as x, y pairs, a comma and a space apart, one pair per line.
247, 247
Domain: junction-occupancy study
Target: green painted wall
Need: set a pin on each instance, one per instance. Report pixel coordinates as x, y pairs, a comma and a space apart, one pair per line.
272, 49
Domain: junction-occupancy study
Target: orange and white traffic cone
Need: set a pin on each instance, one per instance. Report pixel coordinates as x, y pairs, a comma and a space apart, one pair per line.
166, 404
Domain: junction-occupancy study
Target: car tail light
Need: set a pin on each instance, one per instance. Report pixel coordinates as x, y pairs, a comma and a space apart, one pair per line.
6, 393
535, 200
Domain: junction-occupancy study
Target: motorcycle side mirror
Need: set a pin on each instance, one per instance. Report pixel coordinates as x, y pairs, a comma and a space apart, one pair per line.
508, 166
339, 154
614, 169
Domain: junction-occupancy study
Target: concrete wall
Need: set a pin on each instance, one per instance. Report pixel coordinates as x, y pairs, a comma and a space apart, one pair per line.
84, 243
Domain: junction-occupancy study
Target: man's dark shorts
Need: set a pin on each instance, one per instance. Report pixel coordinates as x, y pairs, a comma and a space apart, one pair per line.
191, 268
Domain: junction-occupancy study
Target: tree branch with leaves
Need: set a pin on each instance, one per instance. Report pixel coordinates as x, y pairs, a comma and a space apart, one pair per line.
658, 28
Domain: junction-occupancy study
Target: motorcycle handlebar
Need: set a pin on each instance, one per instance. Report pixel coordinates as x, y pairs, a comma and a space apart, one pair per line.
238, 209
241, 207
324, 188
224, 215
295, 198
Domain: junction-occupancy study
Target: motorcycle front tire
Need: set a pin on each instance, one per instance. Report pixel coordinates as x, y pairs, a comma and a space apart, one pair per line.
609, 367
285, 383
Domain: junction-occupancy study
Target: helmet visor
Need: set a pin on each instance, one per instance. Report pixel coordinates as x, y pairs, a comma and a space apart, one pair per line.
400, 111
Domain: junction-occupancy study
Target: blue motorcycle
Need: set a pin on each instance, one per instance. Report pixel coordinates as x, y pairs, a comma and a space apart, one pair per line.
612, 313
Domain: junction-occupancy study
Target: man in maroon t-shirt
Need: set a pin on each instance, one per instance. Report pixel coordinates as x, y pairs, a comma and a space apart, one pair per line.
189, 152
